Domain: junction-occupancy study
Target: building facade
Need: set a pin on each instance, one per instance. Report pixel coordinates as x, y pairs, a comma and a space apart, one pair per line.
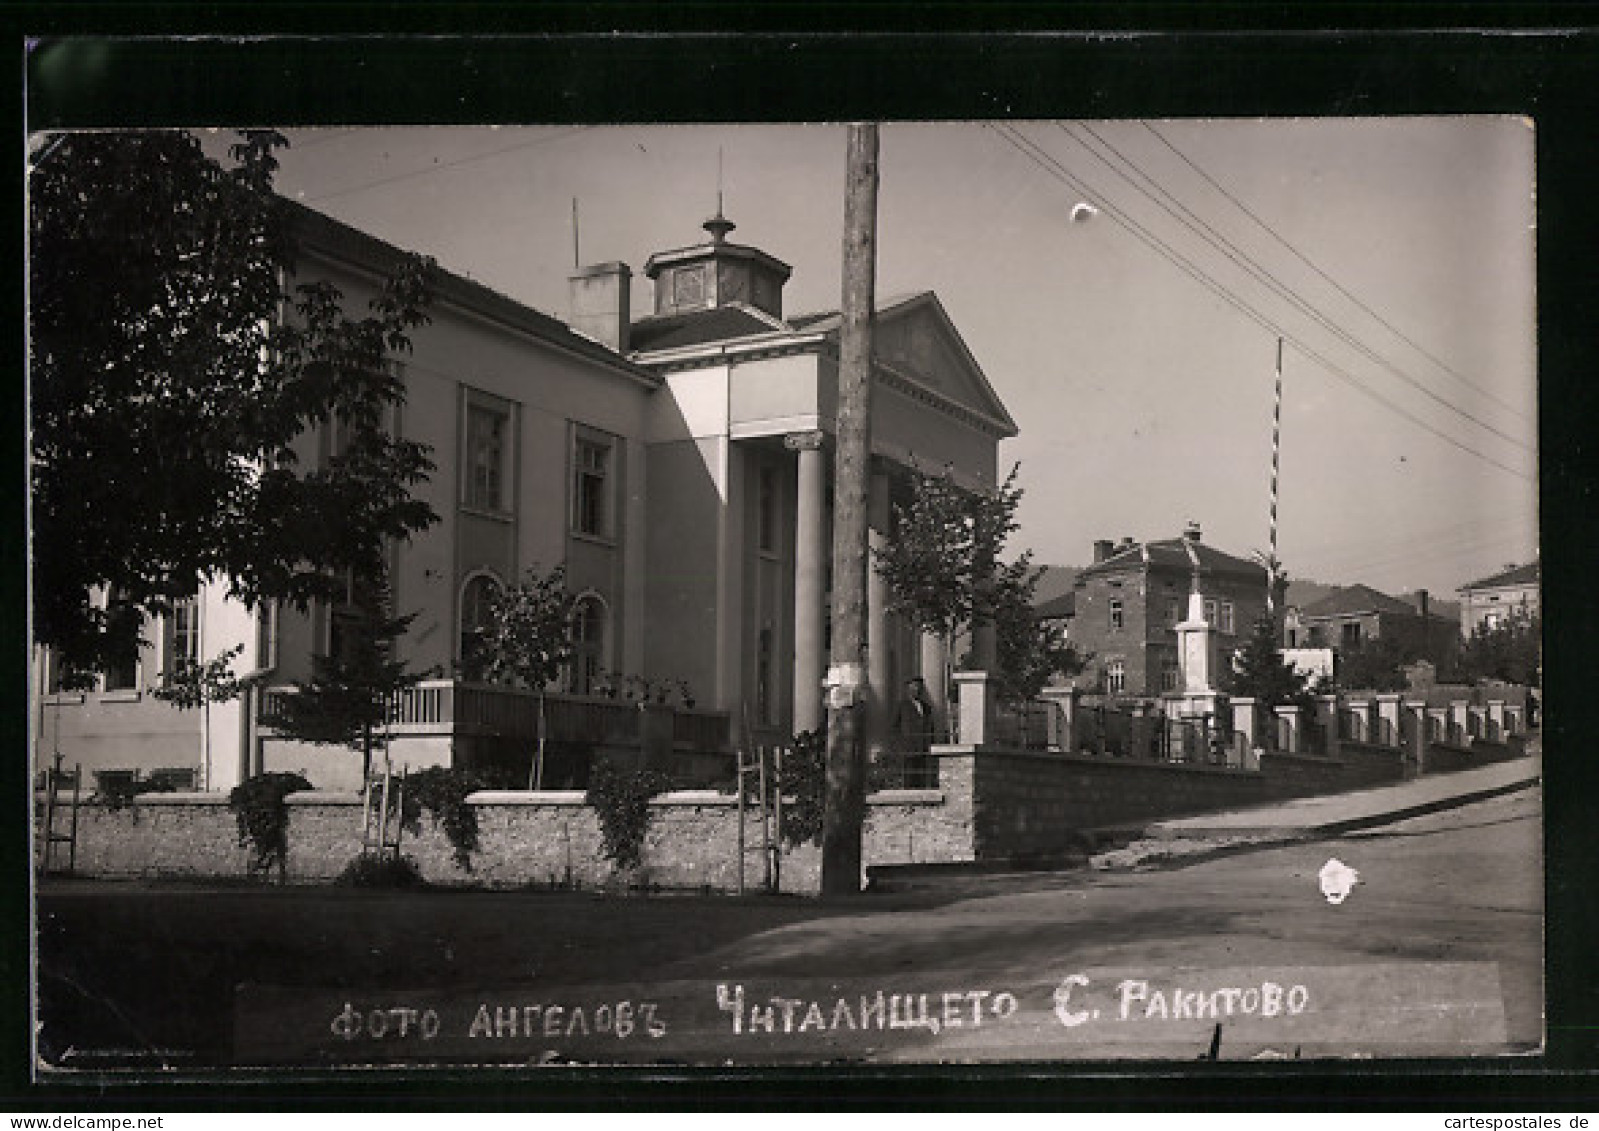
1128, 603
1494, 601
1355, 616
679, 466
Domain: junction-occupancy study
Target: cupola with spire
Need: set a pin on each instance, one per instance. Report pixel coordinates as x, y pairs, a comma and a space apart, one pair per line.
717, 273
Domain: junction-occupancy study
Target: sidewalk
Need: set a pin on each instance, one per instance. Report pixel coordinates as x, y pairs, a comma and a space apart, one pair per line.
1331, 814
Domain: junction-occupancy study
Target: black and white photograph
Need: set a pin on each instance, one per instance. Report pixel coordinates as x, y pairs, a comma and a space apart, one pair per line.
680, 596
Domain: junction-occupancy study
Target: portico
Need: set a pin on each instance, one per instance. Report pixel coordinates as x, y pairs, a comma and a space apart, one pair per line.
742, 436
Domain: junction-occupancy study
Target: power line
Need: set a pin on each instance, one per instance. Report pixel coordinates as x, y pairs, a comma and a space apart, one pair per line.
445, 165
1428, 554
1297, 254
1053, 168
1264, 276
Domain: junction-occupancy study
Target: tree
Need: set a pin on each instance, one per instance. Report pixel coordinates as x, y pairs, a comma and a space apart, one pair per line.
354, 686
1511, 651
172, 368
942, 564
1028, 651
526, 642
1258, 671
1373, 665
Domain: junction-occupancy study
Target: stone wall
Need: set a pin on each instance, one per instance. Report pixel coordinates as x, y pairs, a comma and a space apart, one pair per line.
524, 840
990, 807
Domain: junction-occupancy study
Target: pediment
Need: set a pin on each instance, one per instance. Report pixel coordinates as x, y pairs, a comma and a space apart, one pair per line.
917, 341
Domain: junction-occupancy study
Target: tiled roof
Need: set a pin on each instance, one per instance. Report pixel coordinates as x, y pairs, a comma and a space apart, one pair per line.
697, 328
1352, 599
1064, 605
324, 234
1516, 575
829, 319
1172, 554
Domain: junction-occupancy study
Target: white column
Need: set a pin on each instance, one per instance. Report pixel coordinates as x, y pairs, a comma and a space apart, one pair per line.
810, 580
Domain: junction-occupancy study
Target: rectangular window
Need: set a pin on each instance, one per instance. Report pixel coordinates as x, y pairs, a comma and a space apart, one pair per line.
1116, 617
591, 486
122, 673
266, 636
183, 635
488, 443
1168, 676
1210, 611
1116, 677
1351, 634
1174, 611
1226, 616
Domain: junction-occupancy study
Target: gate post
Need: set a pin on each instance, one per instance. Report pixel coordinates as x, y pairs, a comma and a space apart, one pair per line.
1388, 719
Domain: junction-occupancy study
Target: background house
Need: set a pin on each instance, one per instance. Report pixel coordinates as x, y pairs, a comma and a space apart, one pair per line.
1356, 616
1490, 602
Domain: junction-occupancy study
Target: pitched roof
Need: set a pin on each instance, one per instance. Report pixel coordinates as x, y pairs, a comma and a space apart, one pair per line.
1064, 605
1516, 575
322, 235
831, 319
698, 327
1174, 554
1352, 599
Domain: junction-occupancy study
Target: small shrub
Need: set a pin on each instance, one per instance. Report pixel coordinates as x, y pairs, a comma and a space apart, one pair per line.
621, 799
442, 791
380, 870
263, 817
803, 780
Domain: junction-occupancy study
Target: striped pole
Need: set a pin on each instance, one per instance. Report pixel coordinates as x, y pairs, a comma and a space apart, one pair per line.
1276, 450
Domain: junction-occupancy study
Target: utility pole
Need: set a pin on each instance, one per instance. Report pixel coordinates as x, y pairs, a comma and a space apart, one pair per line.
845, 804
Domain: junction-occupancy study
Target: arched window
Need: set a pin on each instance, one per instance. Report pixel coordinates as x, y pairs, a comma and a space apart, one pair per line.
588, 643
477, 603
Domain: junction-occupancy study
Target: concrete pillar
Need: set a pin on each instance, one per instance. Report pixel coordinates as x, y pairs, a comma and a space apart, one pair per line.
1288, 730
935, 661
1476, 721
1141, 732
883, 698
1515, 720
1327, 717
1062, 703
1496, 720
1438, 724
1413, 734
1244, 733
1388, 708
1459, 711
810, 580
976, 708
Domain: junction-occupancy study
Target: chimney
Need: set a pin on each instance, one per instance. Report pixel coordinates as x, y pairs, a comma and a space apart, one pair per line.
1423, 601
601, 298
1192, 532
1102, 549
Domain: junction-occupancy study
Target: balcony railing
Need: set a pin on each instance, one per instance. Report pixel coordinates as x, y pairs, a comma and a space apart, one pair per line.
443, 706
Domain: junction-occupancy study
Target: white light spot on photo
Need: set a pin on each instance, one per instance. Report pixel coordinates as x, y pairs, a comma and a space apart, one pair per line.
1337, 880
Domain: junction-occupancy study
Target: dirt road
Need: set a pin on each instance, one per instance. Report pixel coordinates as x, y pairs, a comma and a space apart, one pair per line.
1441, 933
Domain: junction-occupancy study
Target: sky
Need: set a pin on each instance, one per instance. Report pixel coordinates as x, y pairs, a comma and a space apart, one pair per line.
1134, 340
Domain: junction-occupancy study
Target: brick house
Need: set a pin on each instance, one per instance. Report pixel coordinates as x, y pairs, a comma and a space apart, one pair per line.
1356, 615
1127, 604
